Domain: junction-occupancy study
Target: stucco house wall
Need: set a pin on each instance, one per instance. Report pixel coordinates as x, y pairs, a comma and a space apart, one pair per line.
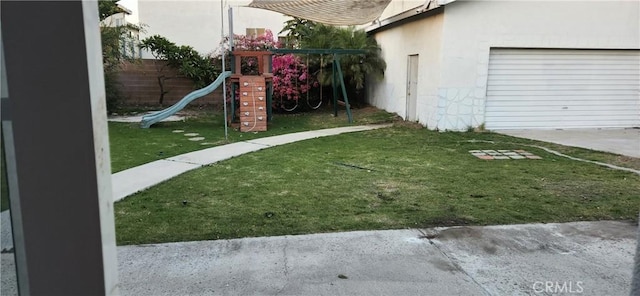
422, 38
469, 29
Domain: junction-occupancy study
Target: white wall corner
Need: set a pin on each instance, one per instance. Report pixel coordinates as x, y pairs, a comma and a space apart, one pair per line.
101, 146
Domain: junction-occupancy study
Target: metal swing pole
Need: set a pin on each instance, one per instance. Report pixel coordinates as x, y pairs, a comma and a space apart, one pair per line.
224, 82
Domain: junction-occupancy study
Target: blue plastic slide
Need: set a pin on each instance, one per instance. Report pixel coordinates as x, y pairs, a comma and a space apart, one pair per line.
152, 118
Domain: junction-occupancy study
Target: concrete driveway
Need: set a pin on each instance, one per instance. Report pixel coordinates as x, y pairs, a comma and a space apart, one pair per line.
581, 258
619, 141
588, 258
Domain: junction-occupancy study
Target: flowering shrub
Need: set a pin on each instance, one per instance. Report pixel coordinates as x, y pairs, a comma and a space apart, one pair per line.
290, 74
263, 42
242, 42
291, 77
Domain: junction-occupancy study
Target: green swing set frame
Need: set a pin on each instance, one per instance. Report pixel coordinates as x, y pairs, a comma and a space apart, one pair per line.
337, 77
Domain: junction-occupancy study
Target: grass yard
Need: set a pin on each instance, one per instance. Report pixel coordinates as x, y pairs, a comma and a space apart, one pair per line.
399, 177
132, 146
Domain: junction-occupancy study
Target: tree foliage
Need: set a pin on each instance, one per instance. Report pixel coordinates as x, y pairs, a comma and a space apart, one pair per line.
355, 67
107, 8
297, 29
112, 56
200, 69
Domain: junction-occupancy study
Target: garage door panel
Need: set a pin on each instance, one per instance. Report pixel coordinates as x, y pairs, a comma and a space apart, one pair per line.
571, 121
567, 57
524, 101
564, 82
564, 72
632, 89
567, 114
627, 62
574, 65
574, 92
570, 54
551, 108
563, 125
537, 88
508, 77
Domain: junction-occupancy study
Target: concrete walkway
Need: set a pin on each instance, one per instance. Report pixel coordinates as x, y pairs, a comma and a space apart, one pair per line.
139, 178
618, 141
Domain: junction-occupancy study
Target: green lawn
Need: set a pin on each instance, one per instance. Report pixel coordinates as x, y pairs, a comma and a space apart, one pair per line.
412, 177
132, 146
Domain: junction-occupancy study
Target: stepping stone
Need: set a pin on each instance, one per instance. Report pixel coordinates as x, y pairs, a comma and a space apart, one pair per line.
533, 157
475, 151
501, 157
520, 151
489, 151
485, 157
178, 131
503, 151
191, 134
206, 143
517, 157
196, 139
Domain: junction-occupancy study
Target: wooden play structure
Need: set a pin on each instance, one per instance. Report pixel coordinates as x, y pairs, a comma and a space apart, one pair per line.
253, 104
255, 90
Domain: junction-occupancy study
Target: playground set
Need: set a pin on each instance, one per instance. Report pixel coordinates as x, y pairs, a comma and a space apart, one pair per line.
256, 89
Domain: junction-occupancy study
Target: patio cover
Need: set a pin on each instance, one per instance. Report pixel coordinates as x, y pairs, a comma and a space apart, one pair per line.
331, 12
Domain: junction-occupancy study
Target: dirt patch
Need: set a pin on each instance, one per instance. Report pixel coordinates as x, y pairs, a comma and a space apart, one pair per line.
399, 122
387, 191
365, 110
627, 161
459, 232
584, 191
446, 221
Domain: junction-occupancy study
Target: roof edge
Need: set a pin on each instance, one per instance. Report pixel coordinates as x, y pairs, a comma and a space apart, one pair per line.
124, 9
445, 2
428, 9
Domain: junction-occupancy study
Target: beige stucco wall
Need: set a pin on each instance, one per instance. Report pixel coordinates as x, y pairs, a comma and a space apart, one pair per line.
471, 28
424, 39
198, 24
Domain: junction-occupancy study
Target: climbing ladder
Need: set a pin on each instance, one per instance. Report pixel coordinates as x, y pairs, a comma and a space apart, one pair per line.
253, 104
254, 90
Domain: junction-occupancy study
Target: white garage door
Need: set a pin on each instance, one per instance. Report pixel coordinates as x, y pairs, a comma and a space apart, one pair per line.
544, 89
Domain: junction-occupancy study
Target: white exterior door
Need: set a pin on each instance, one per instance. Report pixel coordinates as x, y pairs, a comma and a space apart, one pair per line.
555, 89
412, 88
